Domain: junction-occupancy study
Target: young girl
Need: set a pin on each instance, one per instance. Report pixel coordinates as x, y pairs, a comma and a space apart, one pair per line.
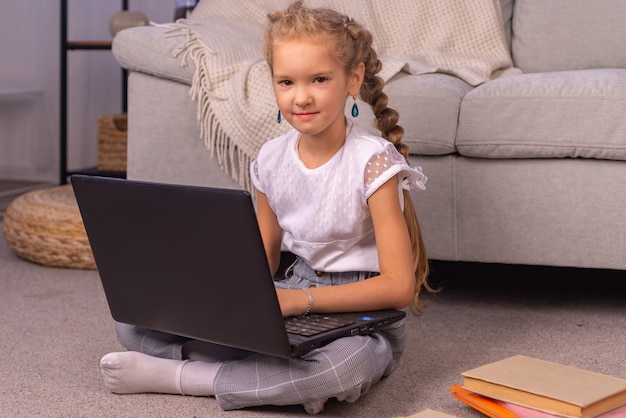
335, 196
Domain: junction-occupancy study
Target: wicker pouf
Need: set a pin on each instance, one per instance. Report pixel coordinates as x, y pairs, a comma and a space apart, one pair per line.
45, 226
112, 138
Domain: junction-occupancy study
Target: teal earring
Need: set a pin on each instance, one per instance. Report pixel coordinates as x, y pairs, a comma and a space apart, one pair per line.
278, 118
355, 108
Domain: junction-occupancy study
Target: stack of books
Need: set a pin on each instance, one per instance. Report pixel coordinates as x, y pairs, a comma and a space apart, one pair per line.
526, 387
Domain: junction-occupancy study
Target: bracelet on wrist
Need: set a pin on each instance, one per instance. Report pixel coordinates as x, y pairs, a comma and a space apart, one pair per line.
310, 306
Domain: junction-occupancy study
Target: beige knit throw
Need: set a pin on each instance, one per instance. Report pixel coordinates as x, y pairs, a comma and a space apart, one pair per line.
231, 83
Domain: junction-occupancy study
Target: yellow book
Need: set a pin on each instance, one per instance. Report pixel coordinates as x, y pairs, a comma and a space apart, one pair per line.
546, 386
429, 413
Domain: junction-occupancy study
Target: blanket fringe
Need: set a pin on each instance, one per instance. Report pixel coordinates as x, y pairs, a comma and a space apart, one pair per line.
231, 159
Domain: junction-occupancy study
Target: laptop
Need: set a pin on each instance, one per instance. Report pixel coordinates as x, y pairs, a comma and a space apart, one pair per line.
190, 261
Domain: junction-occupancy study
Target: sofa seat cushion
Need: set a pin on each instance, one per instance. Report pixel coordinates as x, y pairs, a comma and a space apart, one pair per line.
546, 115
428, 105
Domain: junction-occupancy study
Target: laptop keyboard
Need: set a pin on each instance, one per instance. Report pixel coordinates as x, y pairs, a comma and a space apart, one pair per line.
314, 324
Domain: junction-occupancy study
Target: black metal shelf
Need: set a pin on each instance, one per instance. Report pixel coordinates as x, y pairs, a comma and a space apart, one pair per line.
88, 45
94, 171
66, 46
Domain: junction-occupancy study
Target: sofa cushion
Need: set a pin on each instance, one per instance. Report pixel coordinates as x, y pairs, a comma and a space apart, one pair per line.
546, 115
559, 35
506, 6
428, 105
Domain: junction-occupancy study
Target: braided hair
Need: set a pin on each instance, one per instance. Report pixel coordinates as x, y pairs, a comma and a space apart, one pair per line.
351, 44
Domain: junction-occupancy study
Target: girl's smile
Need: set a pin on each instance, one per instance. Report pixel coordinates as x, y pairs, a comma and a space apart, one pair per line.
305, 115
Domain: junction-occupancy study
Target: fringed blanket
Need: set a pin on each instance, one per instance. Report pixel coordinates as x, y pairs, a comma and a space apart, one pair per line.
232, 83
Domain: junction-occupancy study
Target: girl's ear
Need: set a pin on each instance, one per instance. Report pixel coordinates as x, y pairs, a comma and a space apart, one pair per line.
356, 79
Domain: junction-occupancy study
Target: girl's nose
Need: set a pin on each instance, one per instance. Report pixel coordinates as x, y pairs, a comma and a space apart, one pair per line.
302, 97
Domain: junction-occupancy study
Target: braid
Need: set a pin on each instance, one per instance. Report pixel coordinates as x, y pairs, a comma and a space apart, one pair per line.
387, 122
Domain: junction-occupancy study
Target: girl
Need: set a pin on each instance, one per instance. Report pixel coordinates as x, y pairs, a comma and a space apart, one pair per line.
335, 196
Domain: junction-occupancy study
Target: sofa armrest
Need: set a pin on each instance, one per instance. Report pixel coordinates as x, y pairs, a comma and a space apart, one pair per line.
163, 50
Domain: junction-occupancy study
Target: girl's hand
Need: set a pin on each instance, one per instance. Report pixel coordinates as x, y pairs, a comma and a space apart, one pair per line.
293, 302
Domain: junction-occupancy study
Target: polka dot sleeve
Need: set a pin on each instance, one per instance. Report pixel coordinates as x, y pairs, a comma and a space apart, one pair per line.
388, 163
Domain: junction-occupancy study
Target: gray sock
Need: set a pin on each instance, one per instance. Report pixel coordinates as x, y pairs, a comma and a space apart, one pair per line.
133, 372
197, 377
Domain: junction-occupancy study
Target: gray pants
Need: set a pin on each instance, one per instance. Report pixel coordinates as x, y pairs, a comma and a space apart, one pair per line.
343, 369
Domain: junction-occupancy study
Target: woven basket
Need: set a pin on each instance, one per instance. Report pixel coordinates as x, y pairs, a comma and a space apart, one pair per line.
45, 226
112, 138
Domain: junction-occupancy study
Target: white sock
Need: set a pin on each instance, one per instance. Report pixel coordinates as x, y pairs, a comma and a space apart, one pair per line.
133, 372
197, 378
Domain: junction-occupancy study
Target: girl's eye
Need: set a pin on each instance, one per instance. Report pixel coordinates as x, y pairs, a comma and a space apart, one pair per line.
285, 83
320, 79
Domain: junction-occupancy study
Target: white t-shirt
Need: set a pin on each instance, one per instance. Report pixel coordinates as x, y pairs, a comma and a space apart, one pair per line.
323, 211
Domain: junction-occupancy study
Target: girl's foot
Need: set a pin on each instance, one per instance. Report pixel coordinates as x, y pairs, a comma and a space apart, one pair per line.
133, 372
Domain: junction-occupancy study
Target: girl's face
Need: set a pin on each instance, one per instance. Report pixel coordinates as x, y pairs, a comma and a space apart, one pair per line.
311, 88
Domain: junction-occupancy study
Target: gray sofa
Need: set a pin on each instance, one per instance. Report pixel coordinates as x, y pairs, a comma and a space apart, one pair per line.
524, 169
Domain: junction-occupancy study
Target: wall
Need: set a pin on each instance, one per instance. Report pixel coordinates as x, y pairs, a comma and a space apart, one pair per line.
29, 82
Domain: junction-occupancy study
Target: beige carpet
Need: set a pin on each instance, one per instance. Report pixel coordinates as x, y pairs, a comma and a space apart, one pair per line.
56, 325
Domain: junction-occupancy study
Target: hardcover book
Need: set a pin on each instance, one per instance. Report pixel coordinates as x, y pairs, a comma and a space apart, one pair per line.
490, 407
500, 409
546, 386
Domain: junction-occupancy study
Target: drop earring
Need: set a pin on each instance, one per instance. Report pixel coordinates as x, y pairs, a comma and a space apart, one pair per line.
355, 108
278, 117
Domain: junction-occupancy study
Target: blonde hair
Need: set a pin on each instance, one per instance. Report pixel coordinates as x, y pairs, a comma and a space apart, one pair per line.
350, 44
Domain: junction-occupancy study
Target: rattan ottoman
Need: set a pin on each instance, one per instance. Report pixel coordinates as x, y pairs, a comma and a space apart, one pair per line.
45, 226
